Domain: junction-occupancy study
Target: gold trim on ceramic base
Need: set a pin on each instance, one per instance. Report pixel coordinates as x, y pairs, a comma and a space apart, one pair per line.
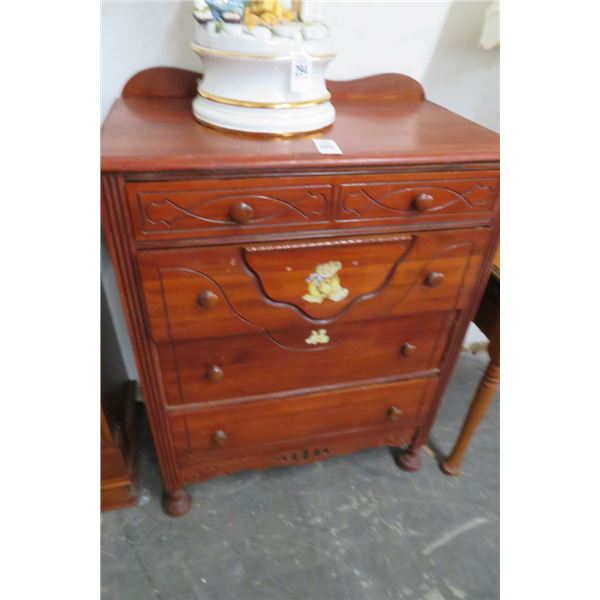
251, 104
277, 134
204, 50
264, 121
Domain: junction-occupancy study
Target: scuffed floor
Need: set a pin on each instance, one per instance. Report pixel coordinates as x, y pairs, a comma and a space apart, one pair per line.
349, 528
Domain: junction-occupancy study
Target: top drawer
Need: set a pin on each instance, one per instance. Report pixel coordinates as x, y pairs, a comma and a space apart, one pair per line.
422, 200
236, 207
207, 208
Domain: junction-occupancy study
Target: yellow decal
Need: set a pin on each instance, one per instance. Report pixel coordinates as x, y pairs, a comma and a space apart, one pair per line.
325, 283
317, 337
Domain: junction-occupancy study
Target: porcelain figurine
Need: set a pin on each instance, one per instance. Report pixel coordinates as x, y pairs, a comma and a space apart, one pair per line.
264, 66
202, 12
228, 11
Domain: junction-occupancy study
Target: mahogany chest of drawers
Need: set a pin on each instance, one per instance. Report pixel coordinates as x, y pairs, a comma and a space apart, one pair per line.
286, 306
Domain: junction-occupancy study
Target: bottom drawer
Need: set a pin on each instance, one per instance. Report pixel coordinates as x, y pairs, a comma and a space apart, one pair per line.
229, 430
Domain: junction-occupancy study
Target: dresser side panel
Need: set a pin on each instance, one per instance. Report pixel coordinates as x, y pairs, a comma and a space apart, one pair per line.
119, 238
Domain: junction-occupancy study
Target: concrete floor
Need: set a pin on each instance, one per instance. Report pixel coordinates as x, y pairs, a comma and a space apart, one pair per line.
349, 528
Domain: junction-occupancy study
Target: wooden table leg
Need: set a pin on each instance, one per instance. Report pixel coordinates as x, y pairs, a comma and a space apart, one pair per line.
481, 403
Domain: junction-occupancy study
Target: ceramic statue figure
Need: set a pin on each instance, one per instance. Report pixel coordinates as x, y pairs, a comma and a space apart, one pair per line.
264, 66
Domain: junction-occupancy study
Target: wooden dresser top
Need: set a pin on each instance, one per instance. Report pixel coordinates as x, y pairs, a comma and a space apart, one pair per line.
382, 121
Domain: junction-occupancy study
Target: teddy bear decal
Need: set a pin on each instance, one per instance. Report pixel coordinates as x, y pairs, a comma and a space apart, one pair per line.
324, 284
317, 336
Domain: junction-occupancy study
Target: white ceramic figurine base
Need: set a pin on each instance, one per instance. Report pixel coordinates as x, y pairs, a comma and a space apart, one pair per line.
273, 121
264, 73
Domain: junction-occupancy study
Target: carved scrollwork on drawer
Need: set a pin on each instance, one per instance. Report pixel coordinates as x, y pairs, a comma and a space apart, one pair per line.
168, 212
393, 201
204, 210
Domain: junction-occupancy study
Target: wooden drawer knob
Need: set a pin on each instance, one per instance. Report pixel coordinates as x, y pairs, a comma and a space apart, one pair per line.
393, 413
219, 438
241, 212
407, 349
215, 373
434, 279
208, 299
423, 202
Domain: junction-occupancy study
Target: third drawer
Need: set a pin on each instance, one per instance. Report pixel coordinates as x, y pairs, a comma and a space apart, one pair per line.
216, 369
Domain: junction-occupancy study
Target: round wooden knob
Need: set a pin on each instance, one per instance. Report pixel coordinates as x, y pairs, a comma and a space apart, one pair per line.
219, 438
393, 413
407, 349
241, 212
423, 202
215, 373
208, 299
434, 279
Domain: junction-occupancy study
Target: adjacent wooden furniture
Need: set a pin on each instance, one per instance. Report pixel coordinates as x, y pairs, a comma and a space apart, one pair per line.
488, 320
117, 435
287, 306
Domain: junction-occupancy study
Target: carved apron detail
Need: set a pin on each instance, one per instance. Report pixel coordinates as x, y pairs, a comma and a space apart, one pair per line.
324, 284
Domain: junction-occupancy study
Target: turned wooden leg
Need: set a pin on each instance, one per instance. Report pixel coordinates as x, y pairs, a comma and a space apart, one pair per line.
177, 503
408, 460
479, 407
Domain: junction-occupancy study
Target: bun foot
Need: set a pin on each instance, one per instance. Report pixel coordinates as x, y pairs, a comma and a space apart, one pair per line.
177, 503
408, 460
